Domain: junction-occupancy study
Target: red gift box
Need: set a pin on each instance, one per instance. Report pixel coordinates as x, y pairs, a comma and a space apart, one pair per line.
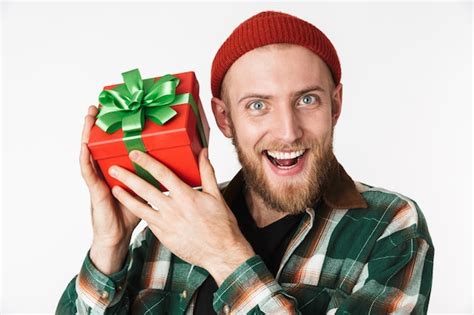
176, 143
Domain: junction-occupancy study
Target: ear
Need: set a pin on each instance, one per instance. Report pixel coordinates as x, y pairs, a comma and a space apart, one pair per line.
221, 114
336, 103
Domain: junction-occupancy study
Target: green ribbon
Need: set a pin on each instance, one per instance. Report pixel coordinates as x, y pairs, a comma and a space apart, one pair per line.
128, 105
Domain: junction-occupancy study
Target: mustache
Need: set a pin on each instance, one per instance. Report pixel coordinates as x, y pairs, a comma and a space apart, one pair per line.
294, 146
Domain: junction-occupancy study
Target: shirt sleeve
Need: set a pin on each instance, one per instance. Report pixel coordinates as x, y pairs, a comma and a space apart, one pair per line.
252, 289
92, 292
395, 280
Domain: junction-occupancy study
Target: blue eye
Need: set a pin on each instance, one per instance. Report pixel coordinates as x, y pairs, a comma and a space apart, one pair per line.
257, 105
308, 99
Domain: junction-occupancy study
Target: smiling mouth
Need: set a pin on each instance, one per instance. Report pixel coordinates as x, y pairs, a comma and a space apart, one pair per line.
284, 160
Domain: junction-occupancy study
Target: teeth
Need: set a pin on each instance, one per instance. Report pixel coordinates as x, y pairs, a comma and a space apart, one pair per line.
285, 155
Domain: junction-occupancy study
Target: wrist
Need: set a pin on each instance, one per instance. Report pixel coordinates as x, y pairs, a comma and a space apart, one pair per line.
108, 259
228, 261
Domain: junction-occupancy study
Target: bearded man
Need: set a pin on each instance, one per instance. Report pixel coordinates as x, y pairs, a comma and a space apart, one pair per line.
291, 233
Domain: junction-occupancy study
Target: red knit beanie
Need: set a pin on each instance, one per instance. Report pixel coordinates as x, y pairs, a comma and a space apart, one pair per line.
267, 28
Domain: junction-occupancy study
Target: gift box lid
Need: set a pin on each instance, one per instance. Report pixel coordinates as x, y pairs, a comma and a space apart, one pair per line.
178, 131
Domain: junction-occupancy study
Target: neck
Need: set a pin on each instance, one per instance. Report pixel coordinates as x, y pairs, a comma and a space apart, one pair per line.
262, 214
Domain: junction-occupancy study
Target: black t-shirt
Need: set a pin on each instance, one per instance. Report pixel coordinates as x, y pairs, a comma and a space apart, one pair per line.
269, 242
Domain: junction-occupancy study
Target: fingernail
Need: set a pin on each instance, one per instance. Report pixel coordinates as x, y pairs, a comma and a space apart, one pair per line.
133, 155
113, 171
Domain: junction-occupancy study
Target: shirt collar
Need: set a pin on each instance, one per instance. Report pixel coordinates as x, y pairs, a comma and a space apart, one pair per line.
341, 193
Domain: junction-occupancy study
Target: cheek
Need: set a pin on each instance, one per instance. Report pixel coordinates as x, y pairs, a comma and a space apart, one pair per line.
317, 126
249, 134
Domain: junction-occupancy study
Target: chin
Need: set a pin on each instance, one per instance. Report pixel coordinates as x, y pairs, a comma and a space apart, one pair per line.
289, 188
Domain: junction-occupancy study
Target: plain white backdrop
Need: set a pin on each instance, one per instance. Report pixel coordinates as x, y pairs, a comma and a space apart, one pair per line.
406, 121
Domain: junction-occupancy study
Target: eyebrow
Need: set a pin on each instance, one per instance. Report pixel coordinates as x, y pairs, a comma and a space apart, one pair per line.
297, 93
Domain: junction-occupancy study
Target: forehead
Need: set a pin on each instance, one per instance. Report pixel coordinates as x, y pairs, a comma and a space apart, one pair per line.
276, 69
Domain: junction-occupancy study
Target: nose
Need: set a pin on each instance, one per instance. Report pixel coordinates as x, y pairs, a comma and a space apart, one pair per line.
287, 125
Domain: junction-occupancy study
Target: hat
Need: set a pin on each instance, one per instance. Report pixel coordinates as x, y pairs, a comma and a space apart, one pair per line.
270, 27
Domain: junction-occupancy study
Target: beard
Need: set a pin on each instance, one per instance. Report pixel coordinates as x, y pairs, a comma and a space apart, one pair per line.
288, 196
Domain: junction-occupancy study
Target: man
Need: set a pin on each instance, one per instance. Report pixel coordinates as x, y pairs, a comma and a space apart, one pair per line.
291, 233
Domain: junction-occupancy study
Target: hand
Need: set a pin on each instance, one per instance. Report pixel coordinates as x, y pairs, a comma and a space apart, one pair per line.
112, 222
196, 226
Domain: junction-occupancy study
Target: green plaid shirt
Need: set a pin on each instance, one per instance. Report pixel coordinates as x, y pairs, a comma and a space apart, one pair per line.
364, 250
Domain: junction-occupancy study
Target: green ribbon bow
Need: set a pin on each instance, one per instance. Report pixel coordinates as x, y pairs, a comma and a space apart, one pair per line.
126, 106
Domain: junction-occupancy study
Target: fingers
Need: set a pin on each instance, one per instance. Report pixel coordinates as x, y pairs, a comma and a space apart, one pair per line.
87, 168
141, 187
208, 177
137, 207
92, 110
161, 173
88, 123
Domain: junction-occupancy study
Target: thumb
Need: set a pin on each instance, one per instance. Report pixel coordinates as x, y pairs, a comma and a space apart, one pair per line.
208, 177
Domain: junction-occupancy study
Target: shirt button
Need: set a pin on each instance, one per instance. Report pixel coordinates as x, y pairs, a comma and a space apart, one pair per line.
184, 294
104, 295
226, 309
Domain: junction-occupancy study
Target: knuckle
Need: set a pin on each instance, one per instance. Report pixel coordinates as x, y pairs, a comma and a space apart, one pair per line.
163, 176
193, 198
130, 181
160, 171
210, 169
83, 167
140, 187
86, 173
90, 119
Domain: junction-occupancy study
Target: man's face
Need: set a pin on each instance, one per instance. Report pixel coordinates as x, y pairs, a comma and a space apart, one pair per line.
282, 106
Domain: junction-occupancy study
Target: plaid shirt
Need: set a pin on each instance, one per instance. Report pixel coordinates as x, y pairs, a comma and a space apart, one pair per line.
364, 250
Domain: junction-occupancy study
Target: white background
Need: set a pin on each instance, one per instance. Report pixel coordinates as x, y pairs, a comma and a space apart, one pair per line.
406, 122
